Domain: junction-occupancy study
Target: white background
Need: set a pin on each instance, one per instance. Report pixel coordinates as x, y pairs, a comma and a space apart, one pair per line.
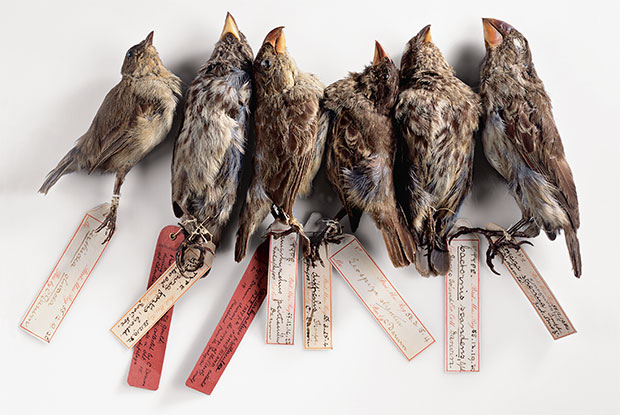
60, 58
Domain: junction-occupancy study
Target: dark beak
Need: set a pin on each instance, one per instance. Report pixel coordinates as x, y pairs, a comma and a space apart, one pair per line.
380, 54
230, 26
149, 39
494, 31
276, 39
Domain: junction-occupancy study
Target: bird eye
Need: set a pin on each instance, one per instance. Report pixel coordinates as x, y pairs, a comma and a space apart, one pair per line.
130, 54
266, 64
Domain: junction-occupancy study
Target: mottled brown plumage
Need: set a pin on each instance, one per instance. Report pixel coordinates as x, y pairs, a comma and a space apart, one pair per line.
360, 151
521, 140
436, 115
134, 117
288, 153
209, 151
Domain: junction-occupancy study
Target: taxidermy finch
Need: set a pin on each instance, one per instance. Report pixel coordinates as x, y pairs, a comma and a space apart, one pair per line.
436, 116
360, 151
521, 141
209, 151
288, 153
135, 116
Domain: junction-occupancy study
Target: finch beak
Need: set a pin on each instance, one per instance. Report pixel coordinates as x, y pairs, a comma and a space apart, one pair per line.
230, 26
276, 39
149, 39
494, 31
380, 54
426, 34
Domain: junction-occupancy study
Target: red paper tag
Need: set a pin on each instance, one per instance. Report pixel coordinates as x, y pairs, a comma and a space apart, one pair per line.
240, 312
149, 352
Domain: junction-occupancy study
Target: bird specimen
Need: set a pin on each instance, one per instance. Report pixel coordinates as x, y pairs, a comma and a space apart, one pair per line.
522, 143
209, 151
436, 116
134, 117
287, 153
360, 151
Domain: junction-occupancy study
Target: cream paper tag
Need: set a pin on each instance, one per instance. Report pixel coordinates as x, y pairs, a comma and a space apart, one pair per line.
281, 286
68, 276
462, 306
158, 299
317, 296
380, 297
536, 290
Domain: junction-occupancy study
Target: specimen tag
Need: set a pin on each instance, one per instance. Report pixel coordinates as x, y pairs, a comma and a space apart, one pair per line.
68, 276
148, 354
536, 290
317, 296
281, 286
380, 297
158, 299
241, 309
462, 307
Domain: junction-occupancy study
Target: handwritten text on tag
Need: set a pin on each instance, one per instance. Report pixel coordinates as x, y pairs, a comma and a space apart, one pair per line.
149, 352
68, 277
281, 288
380, 297
233, 325
318, 302
157, 300
537, 292
462, 302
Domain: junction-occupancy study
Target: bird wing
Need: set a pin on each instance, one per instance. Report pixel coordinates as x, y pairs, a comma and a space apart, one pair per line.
537, 140
348, 151
111, 128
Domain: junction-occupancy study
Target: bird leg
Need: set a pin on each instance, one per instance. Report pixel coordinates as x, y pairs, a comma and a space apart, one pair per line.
294, 226
331, 233
109, 222
197, 237
503, 239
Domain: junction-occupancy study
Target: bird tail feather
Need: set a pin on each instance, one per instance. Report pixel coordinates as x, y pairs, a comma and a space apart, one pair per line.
572, 243
399, 242
65, 166
440, 260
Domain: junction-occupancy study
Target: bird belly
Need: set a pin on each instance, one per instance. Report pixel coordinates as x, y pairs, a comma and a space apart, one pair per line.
532, 192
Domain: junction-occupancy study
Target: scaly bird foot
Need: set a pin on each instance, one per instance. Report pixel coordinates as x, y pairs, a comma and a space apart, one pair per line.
109, 223
331, 233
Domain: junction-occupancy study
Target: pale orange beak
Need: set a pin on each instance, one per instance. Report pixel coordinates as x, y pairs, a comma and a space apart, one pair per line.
426, 31
494, 31
276, 39
230, 26
149, 39
380, 54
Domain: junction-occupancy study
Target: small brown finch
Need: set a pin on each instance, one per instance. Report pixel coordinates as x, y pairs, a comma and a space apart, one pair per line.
360, 151
521, 141
134, 117
208, 153
437, 116
288, 153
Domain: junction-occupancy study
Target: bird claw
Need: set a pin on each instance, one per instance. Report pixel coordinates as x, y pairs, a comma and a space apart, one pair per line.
193, 240
294, 227
503, 239
109, 223
331, 233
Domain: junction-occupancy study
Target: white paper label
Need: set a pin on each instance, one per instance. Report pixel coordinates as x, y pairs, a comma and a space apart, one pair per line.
537, 292
380, 297
462, 307
158, 299
281, 286
318, 302
68, 277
